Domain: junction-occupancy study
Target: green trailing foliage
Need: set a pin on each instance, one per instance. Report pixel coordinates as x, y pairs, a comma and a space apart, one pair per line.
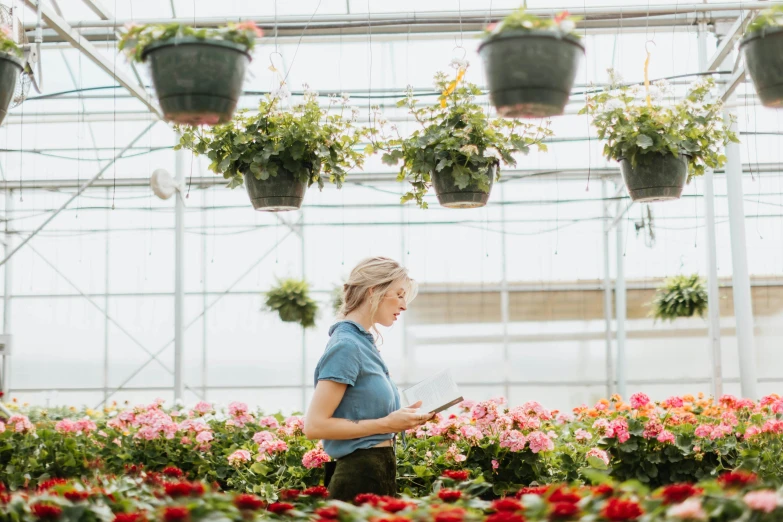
291, 300
639, 131
767, 19
520, 20
306, 141
137, 38
454, 135
680, 296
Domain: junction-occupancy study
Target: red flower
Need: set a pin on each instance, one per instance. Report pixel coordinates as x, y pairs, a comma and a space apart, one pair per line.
618, 510
328, 513
316, 491
449, 495
505, 516
507, 504
563, 510
2, 487
247, 501
76, 496
561, 495
393, 505
173, 471
128, 517
367, 498
532, 490
676, 493
390, 519
278, 508
5, 498
133, 469
46, 511
289, 494
49, 484
175, 514
177, 489
561, 16
450, 515
603, 490
458, 475
737, 479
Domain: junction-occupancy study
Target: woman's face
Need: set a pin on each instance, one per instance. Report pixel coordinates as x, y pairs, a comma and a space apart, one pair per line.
392, 304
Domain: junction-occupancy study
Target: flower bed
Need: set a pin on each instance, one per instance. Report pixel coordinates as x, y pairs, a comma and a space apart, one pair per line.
141, 497
681, 439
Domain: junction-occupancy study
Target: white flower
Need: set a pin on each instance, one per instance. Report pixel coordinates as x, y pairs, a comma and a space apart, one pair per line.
614, 76
346, 97
613, 104
460, 63
282, 93
567, 26
491, 152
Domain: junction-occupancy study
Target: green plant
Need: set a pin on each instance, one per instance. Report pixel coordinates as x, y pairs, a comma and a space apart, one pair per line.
135, 40
520, 20
291, 300
7, 43
768, 18
638, 130
337, 299
680, 296
306, 141
455, 136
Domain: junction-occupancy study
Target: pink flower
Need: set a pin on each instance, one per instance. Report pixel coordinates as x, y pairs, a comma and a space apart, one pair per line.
202, 407
777, 407
185, 441
697, 449
65, 426
236, 409
262, 437
495, 464
689, 509
21, 424
485, 412
239, 457
666, 436
603, 428
582, 435
7, 31
269, 422
639, 400
563, 418
315, 458
765, 500
146, 433
534, 408
652, 429
524, 418
620, 429
729, 418
513, 440
466, 405
204, 437
752, 431
721, 431
294, 426
85, 425
471, 433
672, 402
2, 427
453, 454
704, 430
600, 454
600, 406
540, 442
117, 441
250, 26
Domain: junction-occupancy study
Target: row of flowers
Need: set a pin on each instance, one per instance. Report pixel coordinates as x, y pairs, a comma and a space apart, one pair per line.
680, 439
139, 496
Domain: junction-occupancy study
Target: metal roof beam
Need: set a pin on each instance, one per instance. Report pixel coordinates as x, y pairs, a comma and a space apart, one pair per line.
99, 9
729, 39
54, 21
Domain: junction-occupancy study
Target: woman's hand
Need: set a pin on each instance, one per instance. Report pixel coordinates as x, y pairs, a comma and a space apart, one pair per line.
406, 418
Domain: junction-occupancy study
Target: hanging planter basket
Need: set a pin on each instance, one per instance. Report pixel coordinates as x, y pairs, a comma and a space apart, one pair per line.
198, 82
660, 177
764, 61
451, 196
530, 73
10, 69
276, 193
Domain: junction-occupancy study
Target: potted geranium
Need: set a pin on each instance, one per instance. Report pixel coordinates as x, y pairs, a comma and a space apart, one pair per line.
531, 63
278, 153
659, 146
11, 66
456, 148
763, 49
680, 296
197, 73
290, 298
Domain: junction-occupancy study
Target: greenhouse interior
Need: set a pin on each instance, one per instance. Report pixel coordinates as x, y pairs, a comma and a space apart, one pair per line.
584, 199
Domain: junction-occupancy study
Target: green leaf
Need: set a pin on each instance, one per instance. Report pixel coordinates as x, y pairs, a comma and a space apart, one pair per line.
644, 141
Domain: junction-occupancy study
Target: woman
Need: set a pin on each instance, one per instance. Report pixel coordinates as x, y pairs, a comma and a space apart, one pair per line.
356, 406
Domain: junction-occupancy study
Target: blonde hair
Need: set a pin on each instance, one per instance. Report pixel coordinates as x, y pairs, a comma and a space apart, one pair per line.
378, 274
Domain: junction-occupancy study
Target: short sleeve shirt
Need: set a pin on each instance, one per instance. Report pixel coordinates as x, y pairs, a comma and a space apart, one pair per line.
352, 358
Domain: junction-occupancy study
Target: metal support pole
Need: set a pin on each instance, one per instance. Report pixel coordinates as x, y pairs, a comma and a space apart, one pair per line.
607, 294
76, 194
504, 300
106, 307
179, 275
713, 291
304, 330
204, 270
7, 290
621, 307
743, 306
405, 337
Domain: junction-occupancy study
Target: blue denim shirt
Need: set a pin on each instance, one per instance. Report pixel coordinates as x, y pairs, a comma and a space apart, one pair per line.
351, 358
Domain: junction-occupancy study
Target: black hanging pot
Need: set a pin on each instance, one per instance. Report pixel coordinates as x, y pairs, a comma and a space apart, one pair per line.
530, 73
198, 82
656, 177
764, 61
276, 193
10, 69
451, 196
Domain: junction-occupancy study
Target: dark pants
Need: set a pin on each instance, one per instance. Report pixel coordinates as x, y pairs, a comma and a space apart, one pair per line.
372, 470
